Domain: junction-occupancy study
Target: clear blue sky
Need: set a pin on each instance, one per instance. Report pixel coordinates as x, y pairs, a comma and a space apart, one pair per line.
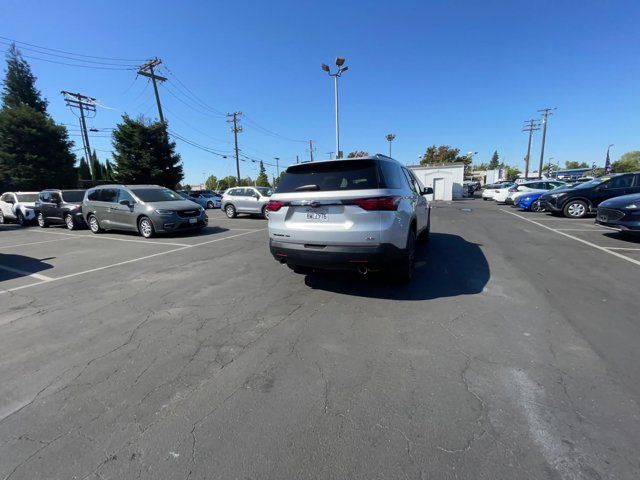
461, 73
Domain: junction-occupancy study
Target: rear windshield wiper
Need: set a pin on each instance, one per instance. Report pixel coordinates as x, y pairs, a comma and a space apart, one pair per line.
307, 187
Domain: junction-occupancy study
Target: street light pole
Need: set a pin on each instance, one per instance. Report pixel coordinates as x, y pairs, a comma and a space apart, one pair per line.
341, 68
390, 138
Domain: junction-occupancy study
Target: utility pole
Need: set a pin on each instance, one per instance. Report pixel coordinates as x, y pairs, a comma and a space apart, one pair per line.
83, 104
146, 70
297, 159
545, 115
529, 126
311, 150
236, 129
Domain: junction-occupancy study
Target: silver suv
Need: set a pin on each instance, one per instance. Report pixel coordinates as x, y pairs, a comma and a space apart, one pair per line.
365, 214
148, 209
251, 200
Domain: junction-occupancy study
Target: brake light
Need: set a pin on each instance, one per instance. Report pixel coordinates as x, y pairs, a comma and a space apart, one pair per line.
274, 205
377, 203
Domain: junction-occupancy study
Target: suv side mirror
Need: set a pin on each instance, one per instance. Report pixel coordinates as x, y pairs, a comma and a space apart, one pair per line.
257, 195
427, 191
126, 203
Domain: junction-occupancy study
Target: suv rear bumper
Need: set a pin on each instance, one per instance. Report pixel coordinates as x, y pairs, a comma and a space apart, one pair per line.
337, 257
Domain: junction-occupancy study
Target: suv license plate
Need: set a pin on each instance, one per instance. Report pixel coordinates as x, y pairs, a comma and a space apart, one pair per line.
193, 220
317, 216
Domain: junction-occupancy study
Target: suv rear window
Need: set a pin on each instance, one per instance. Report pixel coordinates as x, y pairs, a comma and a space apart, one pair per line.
332, 176
73, 195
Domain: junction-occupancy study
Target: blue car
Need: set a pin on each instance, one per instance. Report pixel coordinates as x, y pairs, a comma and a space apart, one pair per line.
531, 202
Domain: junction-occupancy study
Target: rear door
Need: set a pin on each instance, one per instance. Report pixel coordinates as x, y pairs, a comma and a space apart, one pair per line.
107, 201
421, 206
617, 186
6, 205
53, 207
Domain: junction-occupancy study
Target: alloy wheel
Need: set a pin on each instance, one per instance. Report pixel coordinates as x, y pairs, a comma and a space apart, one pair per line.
146, 229
93, 224
68, 220
576, 210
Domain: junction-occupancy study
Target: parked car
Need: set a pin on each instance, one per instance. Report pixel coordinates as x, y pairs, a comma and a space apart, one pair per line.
18, 207
252, 200
489, 190
362, 214
213, 200
60, 207
621, 212
537, 186
578, 201
530, 201
500, 193
147, 209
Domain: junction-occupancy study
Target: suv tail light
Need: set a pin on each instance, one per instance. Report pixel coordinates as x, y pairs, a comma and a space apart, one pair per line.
274, 205
377, 203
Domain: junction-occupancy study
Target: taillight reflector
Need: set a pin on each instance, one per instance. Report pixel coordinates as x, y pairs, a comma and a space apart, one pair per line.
377, 203
274, 205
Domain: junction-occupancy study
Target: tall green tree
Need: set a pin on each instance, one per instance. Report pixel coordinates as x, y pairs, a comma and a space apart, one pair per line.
628, 162
35, 152
84, 172
511, 173
262, 180
494, 163
108, 170
442, 154
246, 182
96, 167
570, 164
227, 182
144, 154
211, 183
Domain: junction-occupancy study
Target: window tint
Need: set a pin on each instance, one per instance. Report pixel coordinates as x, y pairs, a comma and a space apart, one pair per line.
357, 174
124, 195
621, 182
108, 195
73, 196
44, 196
55, 197
409, 180
391, 175
93, 195
265, 191
156, 194
27, 197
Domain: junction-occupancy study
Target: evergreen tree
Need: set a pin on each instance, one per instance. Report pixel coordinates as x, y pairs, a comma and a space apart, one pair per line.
143, 154
96, 167
211, 182
494, 163
108, 170
20, 84
262, 180
35, 153
84, 172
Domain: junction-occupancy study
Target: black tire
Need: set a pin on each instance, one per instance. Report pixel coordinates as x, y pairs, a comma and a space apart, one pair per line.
70, 222
536, 206
575, 209
299, 269
42, 221
485, 198
265, 213
210, 205
145, 227
21, 220
230, 211
94, 225
403, 273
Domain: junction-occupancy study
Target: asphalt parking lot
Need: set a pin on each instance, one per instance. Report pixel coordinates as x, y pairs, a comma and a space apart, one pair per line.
513, 354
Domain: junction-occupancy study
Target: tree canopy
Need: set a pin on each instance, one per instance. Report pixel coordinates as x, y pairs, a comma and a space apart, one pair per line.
494, 163
211, 183
511, 173
629, 162
573, 164
35, 152
442, 154
144, 154
262, 180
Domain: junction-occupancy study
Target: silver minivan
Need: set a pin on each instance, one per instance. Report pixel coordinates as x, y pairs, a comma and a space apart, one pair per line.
363, 214
250, 200
147, 209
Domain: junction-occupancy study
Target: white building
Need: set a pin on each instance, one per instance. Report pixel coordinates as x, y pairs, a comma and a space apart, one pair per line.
446, 180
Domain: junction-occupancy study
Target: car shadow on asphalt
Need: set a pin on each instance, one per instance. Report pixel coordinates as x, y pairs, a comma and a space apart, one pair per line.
626, 237
16, 266
447, 266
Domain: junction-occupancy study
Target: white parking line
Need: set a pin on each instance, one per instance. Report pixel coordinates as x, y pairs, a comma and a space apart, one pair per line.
35, 243
125, 262
598, 247
582, 229
44, 278
624, 248
106, 237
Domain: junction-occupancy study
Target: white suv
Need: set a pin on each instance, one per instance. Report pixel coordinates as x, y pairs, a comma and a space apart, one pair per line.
364, 214
18, 207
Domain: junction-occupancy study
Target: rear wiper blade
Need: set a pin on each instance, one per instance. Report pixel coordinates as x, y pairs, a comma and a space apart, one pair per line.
307, 187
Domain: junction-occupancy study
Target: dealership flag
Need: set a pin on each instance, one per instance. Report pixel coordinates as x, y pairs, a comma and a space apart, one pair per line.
607, 164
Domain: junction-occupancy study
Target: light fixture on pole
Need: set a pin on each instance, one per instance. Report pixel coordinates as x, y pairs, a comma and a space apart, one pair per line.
341, 68
390, 138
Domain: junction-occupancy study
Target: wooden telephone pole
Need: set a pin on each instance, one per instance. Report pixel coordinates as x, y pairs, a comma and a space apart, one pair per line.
84, 104
147, 70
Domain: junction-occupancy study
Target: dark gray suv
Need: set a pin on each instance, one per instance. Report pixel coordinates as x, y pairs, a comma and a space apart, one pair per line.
148, 209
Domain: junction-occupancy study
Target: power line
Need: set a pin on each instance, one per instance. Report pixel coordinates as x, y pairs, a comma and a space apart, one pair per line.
271, 132
191, 106
173, 115
236, 129
529, 126
147, 70
82, 103
71, 53
31, 57
197, 145
193, 95
67, 57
